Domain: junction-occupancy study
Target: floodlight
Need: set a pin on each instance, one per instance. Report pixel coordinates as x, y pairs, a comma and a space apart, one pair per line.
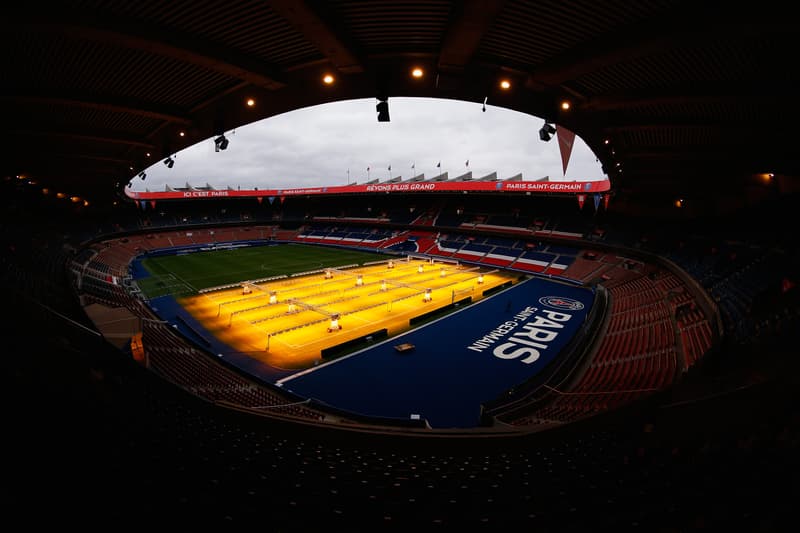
546, 132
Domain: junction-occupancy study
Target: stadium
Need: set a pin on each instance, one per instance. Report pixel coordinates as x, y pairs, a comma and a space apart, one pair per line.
444, 352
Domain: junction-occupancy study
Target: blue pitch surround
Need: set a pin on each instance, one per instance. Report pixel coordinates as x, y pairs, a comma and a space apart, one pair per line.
458, 362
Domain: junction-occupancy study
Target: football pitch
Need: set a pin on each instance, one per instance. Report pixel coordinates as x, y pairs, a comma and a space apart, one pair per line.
288, 305
326, 323
184, 274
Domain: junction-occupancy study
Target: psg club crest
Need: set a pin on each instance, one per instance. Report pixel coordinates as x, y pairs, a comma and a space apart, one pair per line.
559, 302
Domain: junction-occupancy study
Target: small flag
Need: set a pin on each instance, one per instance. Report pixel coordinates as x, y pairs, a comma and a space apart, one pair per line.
367, 169
581, 200
153, 204
467, 163
606, 198
413, 165
260, 199
271, 199
439, 164
596, 198
787, 285
390, 168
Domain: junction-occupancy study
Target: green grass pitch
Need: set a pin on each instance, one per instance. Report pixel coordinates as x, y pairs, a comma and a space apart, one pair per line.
180, 275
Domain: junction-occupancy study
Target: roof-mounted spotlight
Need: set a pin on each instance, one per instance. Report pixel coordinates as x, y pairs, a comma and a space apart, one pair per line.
142, 175
546, 132
383, 109
220, 143
169, 162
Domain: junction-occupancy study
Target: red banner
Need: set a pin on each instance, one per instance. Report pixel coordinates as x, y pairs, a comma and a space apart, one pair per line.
581, 200
570, 187
566, 139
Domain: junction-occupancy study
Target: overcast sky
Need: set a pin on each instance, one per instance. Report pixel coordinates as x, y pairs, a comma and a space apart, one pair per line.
317, 145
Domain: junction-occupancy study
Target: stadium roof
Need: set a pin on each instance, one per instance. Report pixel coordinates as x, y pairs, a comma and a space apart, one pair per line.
669, 94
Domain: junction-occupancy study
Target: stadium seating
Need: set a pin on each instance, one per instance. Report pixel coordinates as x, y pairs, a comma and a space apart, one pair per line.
214, 450
637, 356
